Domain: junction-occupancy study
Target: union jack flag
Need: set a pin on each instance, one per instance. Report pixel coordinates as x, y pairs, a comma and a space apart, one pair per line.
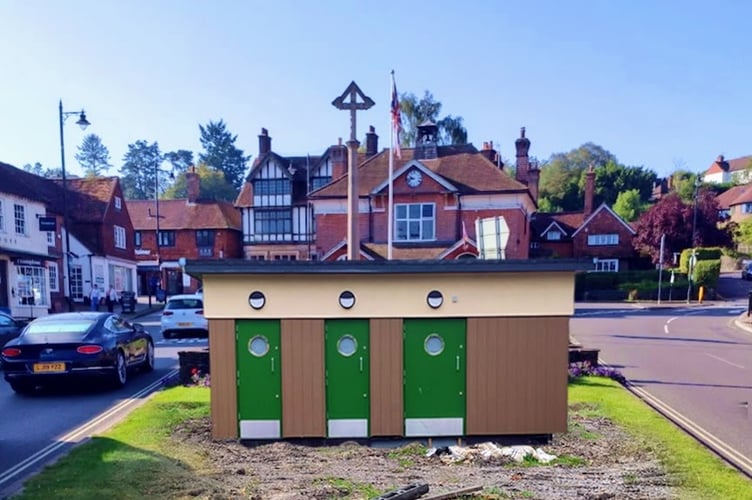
396, 119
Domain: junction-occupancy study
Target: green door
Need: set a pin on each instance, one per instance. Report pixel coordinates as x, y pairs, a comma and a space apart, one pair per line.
259, 378
347, 378
434, 355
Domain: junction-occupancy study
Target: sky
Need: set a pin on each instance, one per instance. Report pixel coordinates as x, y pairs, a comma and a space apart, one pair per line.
660, 84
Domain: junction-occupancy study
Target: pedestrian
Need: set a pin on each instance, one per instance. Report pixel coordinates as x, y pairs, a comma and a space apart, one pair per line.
111, 299
94, 297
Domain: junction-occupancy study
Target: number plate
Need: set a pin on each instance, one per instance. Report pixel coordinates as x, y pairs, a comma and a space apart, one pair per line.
185, 323
49, 367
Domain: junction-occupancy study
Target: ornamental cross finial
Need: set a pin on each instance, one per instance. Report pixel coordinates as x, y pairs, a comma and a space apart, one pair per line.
358, 101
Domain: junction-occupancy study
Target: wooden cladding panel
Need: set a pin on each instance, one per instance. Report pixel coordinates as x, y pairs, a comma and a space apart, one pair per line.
517, 375
303, 387
386, 377
224, 391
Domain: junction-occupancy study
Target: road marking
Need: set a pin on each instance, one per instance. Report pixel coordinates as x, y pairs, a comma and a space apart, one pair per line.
723, 360
665, 328
76, 434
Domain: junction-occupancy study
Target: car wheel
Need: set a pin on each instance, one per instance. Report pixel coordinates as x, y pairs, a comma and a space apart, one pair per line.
149, 361
121, 370
22, 387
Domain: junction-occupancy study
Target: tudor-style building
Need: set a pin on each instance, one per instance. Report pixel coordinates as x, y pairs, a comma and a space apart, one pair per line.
295, 208
190, 228
599, 234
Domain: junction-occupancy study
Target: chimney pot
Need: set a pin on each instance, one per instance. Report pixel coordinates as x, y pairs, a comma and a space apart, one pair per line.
720, 158
265, 142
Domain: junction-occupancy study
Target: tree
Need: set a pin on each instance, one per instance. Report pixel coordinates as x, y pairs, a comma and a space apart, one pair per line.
140, 170
414, 112
93, 156
221, 154
743, 234
180, 159
629, 205
670, 217
213, 186
676, 219
562, 177
613, 179
38, 169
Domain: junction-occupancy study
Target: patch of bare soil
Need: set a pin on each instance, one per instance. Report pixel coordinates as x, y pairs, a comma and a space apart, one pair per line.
597, 460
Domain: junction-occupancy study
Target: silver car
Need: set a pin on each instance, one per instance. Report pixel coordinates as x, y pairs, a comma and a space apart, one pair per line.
184, 314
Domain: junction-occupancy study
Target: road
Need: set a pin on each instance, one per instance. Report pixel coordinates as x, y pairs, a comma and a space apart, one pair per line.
693, 363
39, 428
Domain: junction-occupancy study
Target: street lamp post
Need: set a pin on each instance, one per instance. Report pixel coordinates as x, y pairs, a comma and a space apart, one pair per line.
83, 123
693, 256
158, 171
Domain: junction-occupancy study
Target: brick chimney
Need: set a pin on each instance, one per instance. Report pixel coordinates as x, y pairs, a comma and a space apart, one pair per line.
533, 178
522, 144
339, 159
589, 190
265, 142
192, 185
489, 152
372, 142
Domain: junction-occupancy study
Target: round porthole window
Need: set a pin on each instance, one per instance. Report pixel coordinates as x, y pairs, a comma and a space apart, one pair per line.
258, 346
347, 299
256, 300
347, 345
434, 344
435, 299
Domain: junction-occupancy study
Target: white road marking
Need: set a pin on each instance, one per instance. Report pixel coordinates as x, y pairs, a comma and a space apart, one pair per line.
723, 360
665, 328
80, 432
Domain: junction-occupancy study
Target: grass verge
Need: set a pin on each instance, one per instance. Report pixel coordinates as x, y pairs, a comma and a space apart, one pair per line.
703, 475
138, 459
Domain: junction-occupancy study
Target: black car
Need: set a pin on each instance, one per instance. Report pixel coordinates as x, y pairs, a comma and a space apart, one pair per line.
747, 272
10, 327
76, 344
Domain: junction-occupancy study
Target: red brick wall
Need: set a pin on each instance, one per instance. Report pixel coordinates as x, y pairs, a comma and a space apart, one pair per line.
604, 223
226, 240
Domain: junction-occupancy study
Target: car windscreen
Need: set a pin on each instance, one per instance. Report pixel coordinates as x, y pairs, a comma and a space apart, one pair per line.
52, 327
184, 304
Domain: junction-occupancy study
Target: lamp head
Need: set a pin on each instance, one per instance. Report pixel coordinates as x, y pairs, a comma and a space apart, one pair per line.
82, 121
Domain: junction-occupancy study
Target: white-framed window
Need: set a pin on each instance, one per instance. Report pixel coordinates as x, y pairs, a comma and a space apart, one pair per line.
19, 216
553, 235
415, 222
606, 265
747, 208
31, 286
118, 203
50, 238
120, 237
52, 273
598, 240
2, 218
285, 257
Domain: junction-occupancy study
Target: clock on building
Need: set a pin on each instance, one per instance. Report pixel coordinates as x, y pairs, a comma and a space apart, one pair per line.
414, 178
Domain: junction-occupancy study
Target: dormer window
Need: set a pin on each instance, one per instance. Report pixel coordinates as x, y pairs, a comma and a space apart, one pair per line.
118, 203
553, 235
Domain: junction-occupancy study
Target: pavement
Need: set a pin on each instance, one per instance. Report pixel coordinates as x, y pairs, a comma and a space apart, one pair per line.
143, 308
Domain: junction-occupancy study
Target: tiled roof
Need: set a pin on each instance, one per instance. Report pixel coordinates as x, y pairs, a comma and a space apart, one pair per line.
24, 184
569, 221
736, 195
734, 165
179, 214
91, 196
404, 253
463, 166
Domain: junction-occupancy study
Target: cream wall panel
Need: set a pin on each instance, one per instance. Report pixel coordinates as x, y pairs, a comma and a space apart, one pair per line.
391, 295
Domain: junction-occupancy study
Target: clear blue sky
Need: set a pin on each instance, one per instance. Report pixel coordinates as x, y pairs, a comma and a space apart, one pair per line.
662, 84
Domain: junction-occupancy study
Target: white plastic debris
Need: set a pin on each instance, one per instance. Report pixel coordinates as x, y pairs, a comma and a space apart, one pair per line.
487, 451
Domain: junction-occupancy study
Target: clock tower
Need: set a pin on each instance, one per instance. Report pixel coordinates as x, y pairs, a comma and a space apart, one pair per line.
426, 143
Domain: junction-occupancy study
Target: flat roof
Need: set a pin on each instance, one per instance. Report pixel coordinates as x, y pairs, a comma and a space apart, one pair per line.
242, 266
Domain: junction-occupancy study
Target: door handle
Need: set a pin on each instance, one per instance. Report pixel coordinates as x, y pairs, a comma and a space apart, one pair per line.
458, 363
272, 358
361, 364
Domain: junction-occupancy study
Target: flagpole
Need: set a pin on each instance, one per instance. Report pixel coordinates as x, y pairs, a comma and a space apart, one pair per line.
390, 221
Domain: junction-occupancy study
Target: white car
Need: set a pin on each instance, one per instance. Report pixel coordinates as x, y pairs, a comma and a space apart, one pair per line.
184, 314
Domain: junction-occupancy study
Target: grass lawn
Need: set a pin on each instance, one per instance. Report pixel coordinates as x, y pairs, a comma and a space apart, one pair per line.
137, 459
